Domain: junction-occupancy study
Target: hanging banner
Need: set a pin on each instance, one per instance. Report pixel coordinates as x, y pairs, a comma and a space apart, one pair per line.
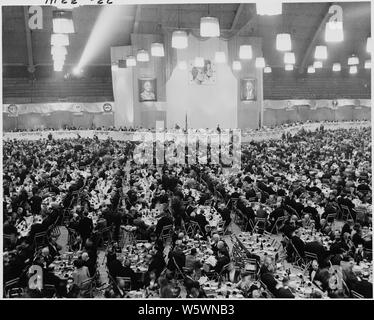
74, 107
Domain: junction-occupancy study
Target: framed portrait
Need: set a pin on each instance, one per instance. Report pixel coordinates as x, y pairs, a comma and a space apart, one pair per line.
248, 90
147, 89
202, 75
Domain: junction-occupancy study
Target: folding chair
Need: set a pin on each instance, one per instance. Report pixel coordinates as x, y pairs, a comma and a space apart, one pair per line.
10, 286
87, 288
296, 257
166, 233
72, 236
331, 218
40, 240
65, 217
309, 257
260, 224
251, 267
179, 274
251, 224
278, 224
192, 229
356, 295
346, 213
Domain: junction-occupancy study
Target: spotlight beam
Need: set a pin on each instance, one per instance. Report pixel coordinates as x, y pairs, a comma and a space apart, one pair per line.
102, 33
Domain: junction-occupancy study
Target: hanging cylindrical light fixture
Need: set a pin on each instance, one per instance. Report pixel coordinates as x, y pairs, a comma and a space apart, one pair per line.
157, 49
267, 69
179, 39
269, 7
289, 58
209, 26
62, 21
130, 61
288, 67
320, 53
220, 57
260, 62
336, 67
283, 42
311, 69
59, 39
245, 52
142, 55
236, 65
334, 31
353, 69
353, 60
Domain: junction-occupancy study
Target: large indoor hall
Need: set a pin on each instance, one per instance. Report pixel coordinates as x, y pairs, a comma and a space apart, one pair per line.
187, 151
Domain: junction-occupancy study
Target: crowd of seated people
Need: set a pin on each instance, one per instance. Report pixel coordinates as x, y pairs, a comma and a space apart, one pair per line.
302, 182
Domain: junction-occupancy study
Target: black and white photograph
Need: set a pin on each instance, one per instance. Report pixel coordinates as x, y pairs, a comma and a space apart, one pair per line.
248, 89
147, 90
247, 176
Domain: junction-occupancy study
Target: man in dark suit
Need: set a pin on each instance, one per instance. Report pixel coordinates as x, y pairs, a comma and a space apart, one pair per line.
201, 220
89, 263
85, 227
298, 243
164, 221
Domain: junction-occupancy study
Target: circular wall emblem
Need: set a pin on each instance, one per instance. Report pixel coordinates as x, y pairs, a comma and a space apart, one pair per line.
107, 107
12, 109
78, 108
